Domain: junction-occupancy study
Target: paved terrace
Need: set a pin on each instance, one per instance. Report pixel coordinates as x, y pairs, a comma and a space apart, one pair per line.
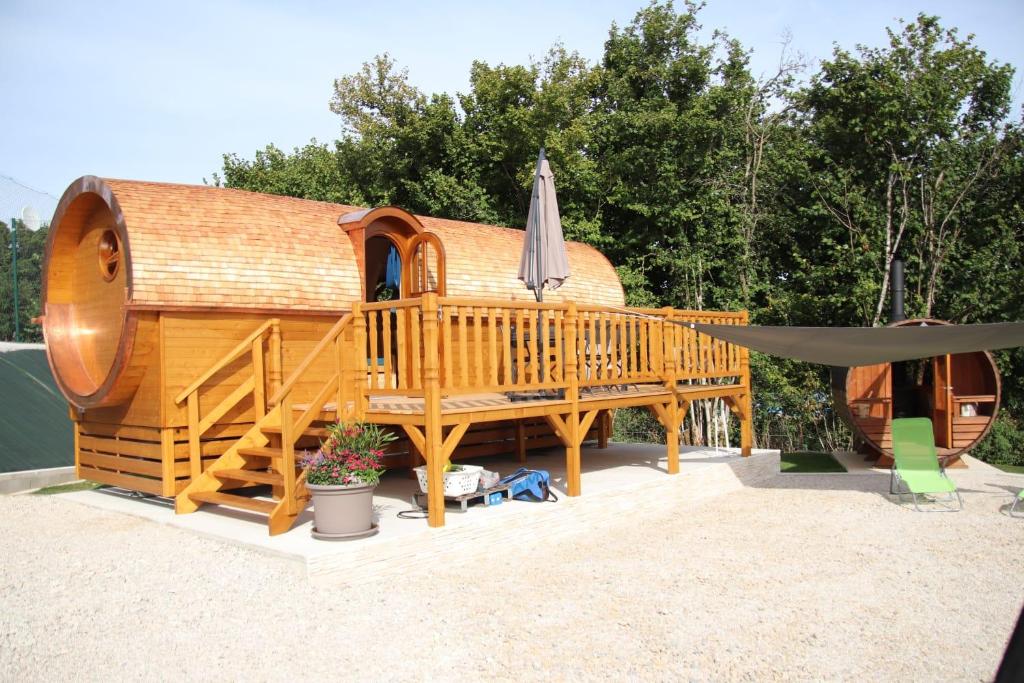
798, 577
619, 480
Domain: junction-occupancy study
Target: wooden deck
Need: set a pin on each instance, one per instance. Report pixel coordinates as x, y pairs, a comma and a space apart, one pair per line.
434, 366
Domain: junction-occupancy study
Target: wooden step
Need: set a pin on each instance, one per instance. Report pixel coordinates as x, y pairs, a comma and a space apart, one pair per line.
263, 452
229, 500
272, 478
318, 432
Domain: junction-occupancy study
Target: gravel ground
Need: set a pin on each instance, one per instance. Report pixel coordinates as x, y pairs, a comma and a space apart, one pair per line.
811, 577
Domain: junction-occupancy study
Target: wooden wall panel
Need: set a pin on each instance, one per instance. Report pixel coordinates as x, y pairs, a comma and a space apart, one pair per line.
193, 342
126, 456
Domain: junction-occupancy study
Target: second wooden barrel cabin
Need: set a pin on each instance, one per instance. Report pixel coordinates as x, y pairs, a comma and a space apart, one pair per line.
146, 285
958, 392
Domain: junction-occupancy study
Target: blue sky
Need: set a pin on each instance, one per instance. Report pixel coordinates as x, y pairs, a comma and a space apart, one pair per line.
159, 91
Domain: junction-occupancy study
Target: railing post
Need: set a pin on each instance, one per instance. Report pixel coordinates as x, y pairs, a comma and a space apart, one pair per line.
656, 347
572, 370
668, 349
259, 392
341, 398
747, 418
432, 412
359, 371
275, 361
194, 452
288, 452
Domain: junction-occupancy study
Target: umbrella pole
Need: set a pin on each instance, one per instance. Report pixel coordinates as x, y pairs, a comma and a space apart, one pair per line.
539, 287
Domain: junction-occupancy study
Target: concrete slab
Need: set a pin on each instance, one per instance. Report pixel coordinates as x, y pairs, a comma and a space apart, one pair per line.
621, 478
30, 480
857, 463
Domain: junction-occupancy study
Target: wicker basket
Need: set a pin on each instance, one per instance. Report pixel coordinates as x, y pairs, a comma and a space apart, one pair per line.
455, 483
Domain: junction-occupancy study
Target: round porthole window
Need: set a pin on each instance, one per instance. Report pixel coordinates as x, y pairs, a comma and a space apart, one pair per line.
110, 255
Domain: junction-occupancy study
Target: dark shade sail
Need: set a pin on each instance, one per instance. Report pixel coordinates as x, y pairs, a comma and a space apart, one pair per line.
854, 346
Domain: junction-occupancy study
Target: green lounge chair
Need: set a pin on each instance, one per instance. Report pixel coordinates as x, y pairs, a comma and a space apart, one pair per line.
917, 465
1016, 502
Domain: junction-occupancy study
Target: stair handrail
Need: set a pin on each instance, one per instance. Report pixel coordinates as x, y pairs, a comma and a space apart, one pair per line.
304, 366
291, 428
227, 359
255, 385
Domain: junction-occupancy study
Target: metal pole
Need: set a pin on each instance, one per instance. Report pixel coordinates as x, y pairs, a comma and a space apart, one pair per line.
538, 255
14, 275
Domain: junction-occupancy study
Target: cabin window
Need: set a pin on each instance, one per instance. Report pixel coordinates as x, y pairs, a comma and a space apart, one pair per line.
110, 255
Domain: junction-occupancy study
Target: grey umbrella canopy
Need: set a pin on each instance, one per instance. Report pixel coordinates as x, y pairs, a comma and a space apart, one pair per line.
543, 262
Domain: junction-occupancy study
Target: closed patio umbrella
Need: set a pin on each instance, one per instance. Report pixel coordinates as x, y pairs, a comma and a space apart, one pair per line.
543, 262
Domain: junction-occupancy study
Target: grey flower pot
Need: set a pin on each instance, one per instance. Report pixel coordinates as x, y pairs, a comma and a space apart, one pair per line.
342, 512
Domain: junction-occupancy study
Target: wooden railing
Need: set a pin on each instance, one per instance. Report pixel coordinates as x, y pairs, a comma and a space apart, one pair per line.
394, 346
496, 345
698, 356
342, 384
256, 384
482, 346
618, 347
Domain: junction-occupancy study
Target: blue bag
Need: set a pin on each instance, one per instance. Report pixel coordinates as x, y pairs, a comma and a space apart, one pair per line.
530, 485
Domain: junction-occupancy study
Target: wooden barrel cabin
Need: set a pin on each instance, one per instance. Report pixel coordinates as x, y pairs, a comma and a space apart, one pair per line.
958, 392
146, 285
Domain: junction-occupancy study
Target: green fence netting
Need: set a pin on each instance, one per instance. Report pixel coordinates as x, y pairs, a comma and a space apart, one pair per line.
35, 431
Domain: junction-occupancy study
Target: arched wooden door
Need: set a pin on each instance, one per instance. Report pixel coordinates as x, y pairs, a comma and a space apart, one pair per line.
426, 264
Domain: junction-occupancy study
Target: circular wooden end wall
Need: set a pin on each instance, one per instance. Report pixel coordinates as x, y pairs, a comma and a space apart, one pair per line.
86, 282
958, 392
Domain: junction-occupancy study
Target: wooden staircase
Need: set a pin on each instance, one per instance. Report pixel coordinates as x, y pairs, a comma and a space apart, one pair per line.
266, 454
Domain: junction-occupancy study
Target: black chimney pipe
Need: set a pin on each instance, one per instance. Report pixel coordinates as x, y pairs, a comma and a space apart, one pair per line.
896, 314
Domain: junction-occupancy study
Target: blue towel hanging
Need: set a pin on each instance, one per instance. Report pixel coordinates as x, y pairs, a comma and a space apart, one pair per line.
392, 278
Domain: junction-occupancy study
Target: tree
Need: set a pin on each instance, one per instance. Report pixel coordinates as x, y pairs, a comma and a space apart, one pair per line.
906, 137
31, 250
709, 188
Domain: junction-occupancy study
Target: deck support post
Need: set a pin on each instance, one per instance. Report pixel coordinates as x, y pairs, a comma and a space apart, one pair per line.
572, 366
604, 428
73, 414
673, 416
433, 449
520, 442
672, 435
167, 475
746, 401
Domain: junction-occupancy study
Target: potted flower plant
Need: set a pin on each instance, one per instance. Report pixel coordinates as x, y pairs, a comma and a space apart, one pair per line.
341, 476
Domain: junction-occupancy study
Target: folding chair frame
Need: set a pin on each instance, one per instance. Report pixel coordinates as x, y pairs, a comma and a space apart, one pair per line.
895, 482
1013, 508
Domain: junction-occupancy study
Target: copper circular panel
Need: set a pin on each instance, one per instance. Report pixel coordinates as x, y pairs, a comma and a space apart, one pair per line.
86, 283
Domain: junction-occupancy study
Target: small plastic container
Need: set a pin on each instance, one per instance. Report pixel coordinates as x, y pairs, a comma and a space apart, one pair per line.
489, 479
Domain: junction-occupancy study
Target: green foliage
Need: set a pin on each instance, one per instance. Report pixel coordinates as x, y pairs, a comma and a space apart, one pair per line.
709, 188
31, 251
636, 425
1004, 444
350, 455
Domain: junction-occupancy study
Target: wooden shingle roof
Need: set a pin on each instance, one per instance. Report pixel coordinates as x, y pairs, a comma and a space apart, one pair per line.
210, 247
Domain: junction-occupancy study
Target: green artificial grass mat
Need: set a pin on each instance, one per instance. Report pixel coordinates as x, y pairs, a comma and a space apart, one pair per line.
809, 462
68, 488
